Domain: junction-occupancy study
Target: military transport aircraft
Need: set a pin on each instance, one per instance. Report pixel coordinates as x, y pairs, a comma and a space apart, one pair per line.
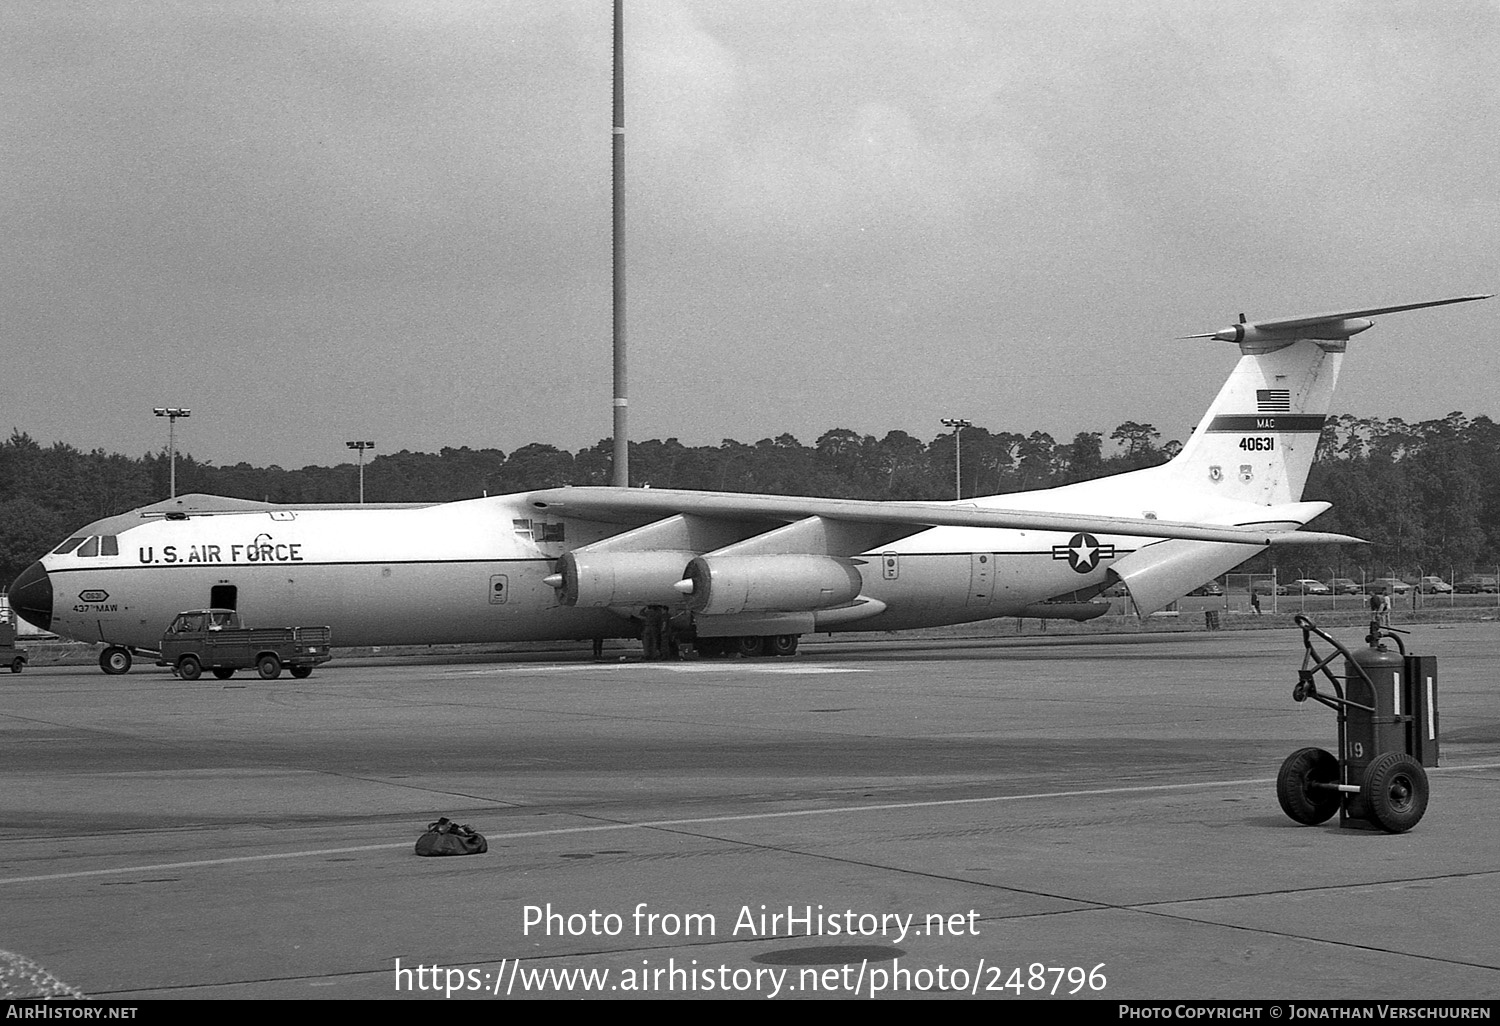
734, 572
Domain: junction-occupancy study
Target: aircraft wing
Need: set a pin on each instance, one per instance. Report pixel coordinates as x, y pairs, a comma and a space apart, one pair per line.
638, 506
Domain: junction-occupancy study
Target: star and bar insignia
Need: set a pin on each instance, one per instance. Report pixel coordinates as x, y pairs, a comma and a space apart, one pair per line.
1083, 552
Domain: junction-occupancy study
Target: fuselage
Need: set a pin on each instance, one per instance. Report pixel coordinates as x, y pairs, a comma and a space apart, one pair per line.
475, 570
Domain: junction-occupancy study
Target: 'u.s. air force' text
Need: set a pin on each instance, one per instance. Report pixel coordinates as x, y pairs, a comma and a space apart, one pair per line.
261, 550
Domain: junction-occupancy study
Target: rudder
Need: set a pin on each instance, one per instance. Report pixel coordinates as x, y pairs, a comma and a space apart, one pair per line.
1257, 441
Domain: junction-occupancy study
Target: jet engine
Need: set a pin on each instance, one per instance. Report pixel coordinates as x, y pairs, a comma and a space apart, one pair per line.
717, 585
599, 579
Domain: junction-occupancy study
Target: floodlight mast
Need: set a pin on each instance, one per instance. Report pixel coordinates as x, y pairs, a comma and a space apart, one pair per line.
360, 447
172, 413
620, 470
957, 424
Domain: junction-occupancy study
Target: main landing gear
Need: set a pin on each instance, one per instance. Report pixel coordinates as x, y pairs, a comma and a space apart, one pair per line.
748, 646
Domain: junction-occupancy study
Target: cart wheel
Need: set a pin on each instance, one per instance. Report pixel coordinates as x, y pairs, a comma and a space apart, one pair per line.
189, 668
1395, 785
269, 666
17, 664
223, 672
301, 671
1299, 800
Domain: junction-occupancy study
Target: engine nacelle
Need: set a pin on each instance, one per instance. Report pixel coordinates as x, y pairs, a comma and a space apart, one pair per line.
785, 583
599, 579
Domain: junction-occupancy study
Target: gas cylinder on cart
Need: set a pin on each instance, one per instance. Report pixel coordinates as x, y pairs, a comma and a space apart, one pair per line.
1386, 714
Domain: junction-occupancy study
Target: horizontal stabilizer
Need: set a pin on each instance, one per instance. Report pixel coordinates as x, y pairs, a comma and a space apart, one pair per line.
1328, 326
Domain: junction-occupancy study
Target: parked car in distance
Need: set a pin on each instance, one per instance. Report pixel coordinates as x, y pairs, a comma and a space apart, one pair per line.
1307, 586
1477, 584
1344, 586
1387, 586
1268, 588
1211, 588
1433, 585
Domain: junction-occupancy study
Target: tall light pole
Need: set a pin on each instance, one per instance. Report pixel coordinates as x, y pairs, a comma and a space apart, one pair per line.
620, 470
172, 413
957, 424
361, 447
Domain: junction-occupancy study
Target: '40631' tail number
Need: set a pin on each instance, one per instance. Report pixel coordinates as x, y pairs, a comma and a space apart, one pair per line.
1257, 444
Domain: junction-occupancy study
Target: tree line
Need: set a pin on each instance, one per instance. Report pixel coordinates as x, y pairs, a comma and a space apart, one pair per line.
1426, 495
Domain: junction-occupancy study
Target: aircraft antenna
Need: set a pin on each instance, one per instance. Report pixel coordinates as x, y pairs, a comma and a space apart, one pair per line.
620, 472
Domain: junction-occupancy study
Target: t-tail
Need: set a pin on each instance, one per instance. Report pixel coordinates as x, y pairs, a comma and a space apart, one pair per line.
1248, 460
1257, 441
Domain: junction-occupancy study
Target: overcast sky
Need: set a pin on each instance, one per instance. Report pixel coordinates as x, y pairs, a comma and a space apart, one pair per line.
314, 221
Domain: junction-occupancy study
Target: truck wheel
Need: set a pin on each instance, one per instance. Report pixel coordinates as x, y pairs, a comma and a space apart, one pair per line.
223, 672
269, 666
1299, 799
189, 668
17, 664
301, 671
115, 660
1395, 785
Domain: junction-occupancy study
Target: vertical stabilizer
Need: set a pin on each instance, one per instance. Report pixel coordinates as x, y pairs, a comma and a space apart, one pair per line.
1257, 441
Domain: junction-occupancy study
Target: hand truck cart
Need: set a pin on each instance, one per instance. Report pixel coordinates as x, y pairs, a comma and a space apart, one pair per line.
1387, 734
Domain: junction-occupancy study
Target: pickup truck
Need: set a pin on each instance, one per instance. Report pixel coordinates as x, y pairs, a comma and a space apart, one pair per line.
10, 655
216, 640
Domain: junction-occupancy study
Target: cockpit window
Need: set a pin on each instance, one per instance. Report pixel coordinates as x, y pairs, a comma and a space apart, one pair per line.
68, 546
90, 548
109, 545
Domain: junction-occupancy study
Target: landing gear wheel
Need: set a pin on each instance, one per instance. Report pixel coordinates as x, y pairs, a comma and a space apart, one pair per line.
269, 666
17, 664
783, 644
1395, 786
189, 668
115, 660
1294, 786
750, 646
301, 671
223, 672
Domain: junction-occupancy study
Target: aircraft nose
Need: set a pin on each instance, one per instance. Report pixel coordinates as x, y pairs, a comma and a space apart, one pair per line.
31, 596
